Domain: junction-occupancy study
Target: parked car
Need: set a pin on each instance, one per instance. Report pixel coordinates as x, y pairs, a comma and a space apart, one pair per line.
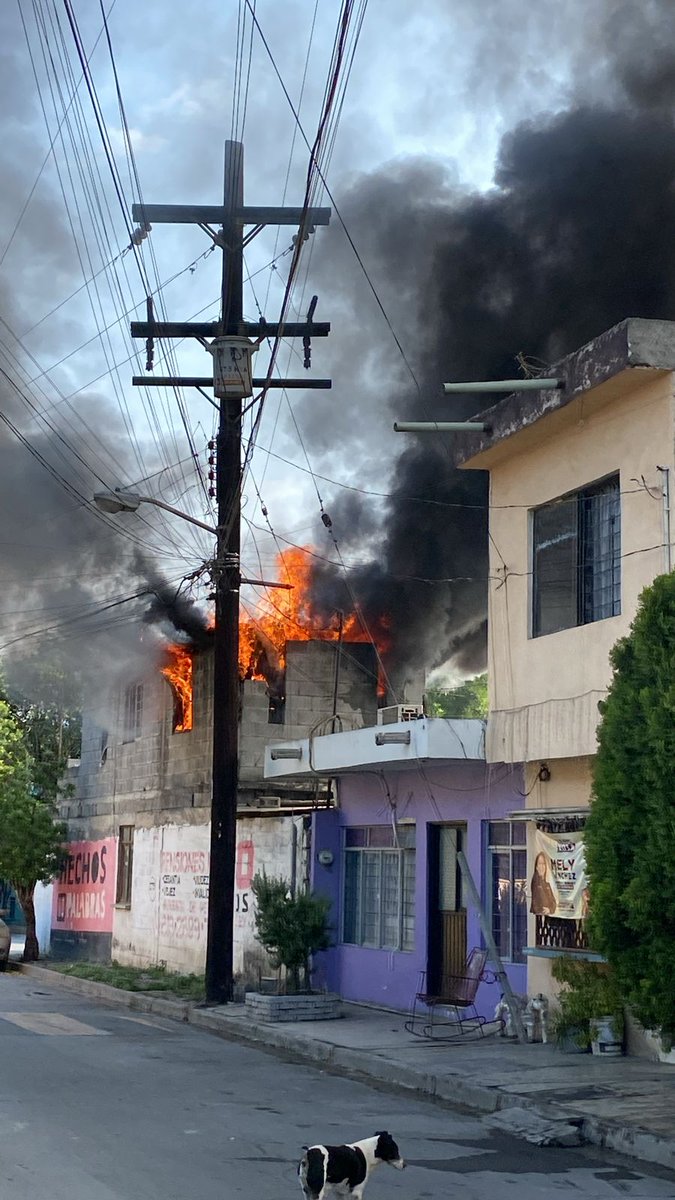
5, 944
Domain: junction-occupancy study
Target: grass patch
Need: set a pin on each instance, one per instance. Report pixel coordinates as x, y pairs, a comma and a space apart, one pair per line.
137, 979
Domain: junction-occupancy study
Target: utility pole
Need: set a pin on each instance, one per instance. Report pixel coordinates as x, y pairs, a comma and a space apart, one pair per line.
229, 345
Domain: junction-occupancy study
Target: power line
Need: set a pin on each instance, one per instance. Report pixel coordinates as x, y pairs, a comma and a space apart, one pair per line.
42, 417
63, 482
154, 422
312, 171
50, 150
70, 620
336, 208
47, 54
358, 566
132, 159
352, 487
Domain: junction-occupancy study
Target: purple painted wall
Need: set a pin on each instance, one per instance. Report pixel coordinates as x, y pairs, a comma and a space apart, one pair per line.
469, 792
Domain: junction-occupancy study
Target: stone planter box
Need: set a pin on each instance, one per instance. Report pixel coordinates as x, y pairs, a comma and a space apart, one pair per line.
318, 1007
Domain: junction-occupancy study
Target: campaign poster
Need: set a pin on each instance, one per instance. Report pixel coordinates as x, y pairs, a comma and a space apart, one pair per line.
559, 885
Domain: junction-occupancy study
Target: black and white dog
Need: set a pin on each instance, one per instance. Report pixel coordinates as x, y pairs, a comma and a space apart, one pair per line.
345, 1169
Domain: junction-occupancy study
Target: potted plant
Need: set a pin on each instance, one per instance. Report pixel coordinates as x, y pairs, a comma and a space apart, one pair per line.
290, 928
590, 1012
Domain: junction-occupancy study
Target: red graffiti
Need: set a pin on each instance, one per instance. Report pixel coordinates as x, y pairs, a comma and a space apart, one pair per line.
245, 865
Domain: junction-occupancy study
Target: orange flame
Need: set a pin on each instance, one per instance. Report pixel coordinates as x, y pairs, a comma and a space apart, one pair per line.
289, 616
178, 671
282, 616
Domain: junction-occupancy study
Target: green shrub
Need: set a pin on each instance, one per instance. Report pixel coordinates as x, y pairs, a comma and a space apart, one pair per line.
630, 834
290, 928
589, 990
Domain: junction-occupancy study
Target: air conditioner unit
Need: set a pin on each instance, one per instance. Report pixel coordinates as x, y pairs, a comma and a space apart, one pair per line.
268, 801
394, 713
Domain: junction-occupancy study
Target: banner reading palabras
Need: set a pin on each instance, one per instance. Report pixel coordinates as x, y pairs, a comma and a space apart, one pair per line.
84, 893
559, 884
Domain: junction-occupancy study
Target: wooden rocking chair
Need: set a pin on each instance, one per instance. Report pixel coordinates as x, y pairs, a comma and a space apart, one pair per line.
449, 1012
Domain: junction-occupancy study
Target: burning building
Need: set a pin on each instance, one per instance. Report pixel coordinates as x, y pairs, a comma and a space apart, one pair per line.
143, 794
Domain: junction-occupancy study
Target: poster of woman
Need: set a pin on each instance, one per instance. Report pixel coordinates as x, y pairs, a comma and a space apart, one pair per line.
559, 884
544, 901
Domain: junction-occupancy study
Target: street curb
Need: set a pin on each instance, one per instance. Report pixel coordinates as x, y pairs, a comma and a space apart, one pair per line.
453, 1091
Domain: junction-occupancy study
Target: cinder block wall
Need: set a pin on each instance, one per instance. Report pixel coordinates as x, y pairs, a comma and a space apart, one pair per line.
123, 780
162, 776
310, 683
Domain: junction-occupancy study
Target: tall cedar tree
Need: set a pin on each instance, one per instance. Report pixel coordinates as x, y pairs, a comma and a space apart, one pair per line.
630, 834
30, 838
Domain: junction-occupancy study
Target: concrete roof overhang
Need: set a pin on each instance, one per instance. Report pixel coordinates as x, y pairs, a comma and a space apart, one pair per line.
617, 361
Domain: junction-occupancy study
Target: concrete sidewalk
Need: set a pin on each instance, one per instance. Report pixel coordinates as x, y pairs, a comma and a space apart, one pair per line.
625, 1104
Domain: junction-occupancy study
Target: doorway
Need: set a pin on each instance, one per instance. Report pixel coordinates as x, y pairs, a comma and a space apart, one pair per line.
446, 950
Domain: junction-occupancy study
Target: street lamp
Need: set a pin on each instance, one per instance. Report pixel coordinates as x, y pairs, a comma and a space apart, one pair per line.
120, 501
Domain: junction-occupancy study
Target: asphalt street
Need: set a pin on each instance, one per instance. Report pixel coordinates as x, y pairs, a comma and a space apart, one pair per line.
101, 1104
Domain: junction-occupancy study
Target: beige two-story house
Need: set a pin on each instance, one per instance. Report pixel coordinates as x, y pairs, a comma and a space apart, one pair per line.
580, 516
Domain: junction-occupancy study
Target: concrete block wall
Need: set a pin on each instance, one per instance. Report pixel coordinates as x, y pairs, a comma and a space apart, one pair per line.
310, 682
157, 771
255, 729
320, 1007
162, 775
160, 783
167, 918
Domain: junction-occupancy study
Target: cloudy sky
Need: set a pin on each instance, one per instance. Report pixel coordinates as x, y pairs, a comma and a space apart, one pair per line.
429, 98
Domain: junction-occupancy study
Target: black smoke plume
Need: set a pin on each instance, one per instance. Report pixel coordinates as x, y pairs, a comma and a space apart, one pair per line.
74, 584
577, 233
168, 606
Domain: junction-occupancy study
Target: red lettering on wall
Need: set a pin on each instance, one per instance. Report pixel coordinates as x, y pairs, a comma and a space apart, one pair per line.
245, 865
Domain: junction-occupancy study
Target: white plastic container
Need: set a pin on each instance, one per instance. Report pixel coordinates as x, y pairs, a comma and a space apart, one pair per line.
604, 1040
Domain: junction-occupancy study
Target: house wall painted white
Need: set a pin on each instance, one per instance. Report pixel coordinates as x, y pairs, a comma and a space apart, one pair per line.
166, 922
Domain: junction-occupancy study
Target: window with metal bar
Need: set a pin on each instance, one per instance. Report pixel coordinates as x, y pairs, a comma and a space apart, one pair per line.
125, 865
133, 711
576, 559
378, 907
506, 876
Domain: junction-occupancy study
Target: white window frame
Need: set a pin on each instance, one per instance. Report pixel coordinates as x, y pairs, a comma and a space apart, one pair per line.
502, 848
358, 853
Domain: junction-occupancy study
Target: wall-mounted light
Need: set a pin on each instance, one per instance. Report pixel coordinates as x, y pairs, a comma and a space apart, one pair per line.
544, 773
285, 752
325, 857
402, 738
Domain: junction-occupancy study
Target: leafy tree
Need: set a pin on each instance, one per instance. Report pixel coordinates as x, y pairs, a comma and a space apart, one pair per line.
30, 838
290, 927
469, 699
44, 693
630, 833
